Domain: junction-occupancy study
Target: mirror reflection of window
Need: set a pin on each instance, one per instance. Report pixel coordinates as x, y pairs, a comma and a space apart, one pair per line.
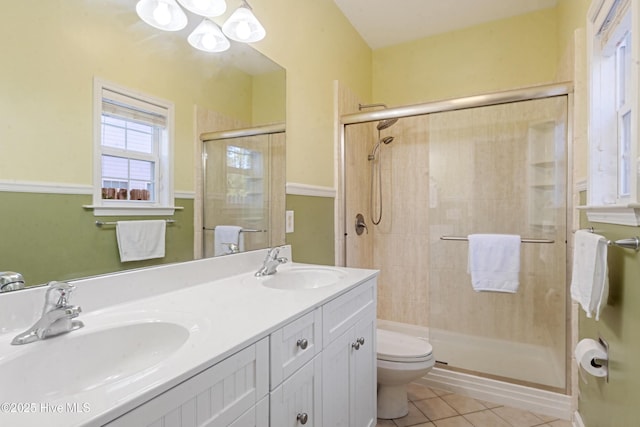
244, 176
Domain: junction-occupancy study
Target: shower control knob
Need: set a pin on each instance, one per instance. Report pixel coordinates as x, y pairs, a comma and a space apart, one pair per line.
303, 418
303, 343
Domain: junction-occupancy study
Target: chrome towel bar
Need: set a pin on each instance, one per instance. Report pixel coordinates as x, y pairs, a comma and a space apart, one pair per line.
630, 243
244, 230
101, 223
523, 240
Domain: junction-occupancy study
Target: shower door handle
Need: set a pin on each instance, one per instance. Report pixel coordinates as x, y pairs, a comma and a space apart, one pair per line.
361, 225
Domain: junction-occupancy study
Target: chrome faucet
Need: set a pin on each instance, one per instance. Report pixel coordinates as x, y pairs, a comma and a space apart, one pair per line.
57, 315
10, 281
271, 263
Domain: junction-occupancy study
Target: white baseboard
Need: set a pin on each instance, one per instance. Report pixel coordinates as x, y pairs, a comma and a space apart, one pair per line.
517, 396
577, 420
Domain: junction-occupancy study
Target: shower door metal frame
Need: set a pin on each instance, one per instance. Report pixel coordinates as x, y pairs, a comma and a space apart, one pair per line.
474, 101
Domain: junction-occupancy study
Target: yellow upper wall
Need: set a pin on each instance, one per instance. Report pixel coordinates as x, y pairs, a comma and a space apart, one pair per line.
46, 85
46, 82
50, 55
316, 44
269, 98
505, 54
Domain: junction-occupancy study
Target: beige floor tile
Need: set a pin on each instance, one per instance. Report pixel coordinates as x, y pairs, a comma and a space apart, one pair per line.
440, 392
545, 418
425, 425
419, 392
486, 419
490, 405
435, 408
560, 423
463, 404
517, 417
385, 423
458, 421
414, 417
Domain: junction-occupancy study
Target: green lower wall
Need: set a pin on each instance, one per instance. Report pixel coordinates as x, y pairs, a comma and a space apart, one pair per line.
52, 237
313, 238
614, 404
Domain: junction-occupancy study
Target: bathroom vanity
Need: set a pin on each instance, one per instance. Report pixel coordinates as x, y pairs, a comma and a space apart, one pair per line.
199, 343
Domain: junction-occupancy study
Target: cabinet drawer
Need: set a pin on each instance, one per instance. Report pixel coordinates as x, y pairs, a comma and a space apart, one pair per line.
214, 398
295, 344
342, 313
298, 400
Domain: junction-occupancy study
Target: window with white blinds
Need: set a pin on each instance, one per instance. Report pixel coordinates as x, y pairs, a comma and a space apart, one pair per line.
133, 139
613, 54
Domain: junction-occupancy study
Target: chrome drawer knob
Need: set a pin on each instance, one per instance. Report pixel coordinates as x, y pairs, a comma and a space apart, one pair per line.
303, 343
356, 345
361, 340
303, 418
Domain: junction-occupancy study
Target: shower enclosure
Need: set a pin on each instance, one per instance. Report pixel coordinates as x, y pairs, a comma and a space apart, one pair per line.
496, 165
243, 186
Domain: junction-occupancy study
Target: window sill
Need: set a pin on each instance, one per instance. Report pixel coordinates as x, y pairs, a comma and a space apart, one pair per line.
620, 214
99, 210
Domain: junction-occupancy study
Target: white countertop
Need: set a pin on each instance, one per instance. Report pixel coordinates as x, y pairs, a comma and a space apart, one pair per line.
222, 315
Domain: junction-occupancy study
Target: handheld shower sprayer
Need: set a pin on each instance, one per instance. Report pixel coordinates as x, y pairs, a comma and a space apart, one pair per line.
375, 198
386, 140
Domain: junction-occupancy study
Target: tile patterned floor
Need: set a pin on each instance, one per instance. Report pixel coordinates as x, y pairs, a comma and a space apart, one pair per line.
430, 407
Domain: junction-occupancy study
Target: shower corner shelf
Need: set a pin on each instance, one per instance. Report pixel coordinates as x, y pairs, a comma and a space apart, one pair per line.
544, 179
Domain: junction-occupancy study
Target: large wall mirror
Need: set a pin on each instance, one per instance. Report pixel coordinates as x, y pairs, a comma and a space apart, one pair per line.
52, 52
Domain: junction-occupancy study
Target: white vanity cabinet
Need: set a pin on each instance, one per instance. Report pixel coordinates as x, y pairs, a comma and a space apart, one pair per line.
349, 359
319, 369
232, 392
338, 386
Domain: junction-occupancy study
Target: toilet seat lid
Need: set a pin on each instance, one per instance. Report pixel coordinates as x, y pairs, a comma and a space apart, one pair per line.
395, 347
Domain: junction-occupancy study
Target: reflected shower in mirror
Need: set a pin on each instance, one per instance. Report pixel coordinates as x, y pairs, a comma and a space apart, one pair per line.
243, 172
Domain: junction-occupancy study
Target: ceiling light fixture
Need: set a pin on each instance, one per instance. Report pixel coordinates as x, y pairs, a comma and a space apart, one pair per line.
167, 15
208, 37
162, 14
206, 8
243, 26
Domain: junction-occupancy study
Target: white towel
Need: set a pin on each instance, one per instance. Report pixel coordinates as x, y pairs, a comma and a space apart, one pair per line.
138, 240
225, 235
494, 262
589, 281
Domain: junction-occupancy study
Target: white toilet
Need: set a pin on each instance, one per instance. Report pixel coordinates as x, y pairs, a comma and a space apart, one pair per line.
401, 360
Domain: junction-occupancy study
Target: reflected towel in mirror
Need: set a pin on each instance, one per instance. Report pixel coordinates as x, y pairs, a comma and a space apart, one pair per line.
138, 240
225, 236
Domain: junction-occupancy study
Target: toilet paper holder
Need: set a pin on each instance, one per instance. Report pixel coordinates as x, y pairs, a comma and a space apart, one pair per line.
596, 362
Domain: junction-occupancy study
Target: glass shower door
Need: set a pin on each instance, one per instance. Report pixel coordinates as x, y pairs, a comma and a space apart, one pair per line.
500, 169
244, 181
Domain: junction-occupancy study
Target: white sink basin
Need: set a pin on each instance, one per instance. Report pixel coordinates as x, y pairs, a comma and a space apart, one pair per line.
84, 359
303, 278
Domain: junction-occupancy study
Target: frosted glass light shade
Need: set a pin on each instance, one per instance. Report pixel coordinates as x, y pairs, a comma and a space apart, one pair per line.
243, 26
207, 8
208, 37
162, 14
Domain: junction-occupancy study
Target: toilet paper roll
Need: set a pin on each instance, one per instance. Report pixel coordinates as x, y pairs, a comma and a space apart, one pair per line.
586, 351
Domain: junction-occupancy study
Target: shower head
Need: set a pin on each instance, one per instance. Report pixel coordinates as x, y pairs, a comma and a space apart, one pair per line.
387, 140
384, 124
